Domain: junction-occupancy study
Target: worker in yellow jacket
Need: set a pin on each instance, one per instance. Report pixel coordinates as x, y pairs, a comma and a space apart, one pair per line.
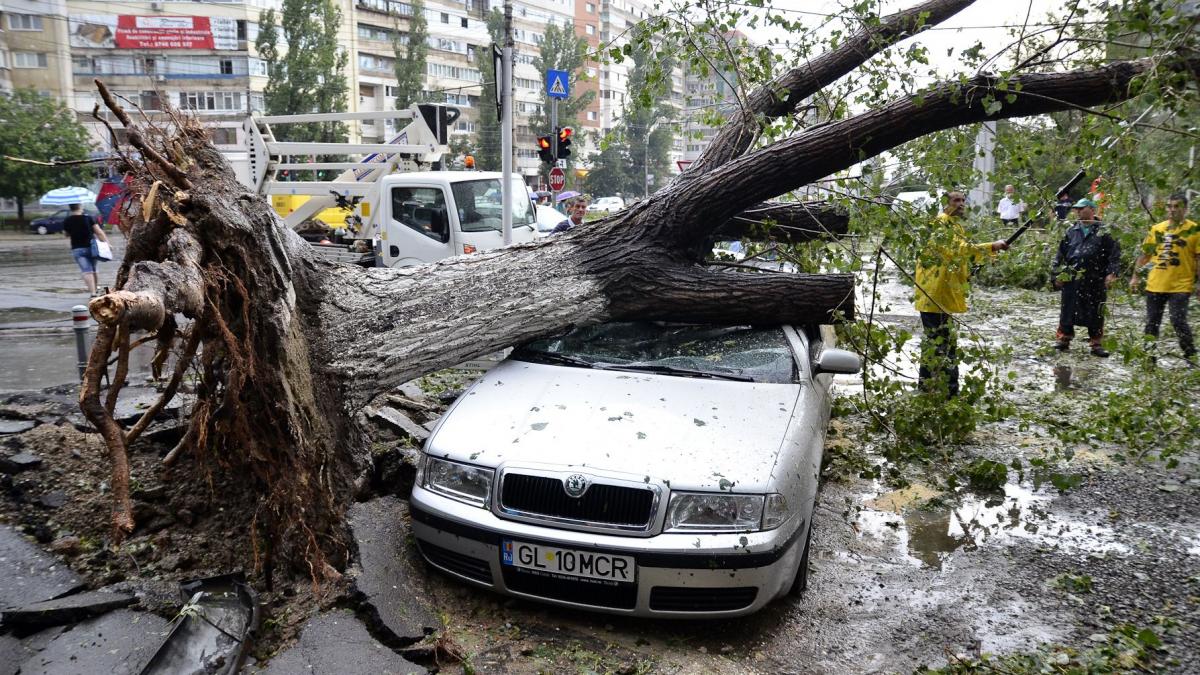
1170, 253
943, 279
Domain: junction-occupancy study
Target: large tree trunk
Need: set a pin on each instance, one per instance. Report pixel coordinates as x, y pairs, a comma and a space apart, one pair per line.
290, 347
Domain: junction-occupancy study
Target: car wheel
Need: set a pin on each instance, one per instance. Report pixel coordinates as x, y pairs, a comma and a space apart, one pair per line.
800, 583
42, 230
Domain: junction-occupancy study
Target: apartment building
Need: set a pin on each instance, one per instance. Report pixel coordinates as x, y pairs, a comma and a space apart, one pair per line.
195, 56
34, 53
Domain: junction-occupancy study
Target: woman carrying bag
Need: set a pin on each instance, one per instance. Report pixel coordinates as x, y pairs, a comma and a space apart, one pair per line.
89, 245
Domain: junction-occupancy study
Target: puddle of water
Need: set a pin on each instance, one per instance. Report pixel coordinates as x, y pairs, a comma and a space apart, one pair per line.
928, 535
37, 359
30, 314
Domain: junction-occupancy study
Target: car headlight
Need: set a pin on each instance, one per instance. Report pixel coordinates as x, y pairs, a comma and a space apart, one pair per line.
463, 482
775, 513
697, 511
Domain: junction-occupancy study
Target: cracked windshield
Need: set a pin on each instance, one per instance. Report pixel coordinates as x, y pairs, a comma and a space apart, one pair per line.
759, 355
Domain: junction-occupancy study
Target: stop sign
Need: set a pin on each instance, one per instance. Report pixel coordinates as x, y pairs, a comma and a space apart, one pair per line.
558, 179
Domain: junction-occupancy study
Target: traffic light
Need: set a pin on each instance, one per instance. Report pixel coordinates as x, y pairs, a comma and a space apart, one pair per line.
564, 142
545, 151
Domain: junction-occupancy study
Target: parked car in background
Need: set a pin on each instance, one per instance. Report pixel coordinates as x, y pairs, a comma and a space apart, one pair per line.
54, 222
606, 205
646, 469
547, 219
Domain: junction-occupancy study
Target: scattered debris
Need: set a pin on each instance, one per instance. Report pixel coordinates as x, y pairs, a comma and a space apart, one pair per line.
400, 421
121, 641
22, 461
31, 575
8, 426
213, 630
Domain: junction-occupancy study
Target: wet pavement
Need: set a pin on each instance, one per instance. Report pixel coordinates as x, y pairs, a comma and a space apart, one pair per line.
39, 283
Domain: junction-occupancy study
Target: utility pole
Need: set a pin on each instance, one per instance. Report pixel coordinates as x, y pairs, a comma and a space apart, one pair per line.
504, 86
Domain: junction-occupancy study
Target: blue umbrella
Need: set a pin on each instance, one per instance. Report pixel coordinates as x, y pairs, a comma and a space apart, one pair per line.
567, 195
68, 195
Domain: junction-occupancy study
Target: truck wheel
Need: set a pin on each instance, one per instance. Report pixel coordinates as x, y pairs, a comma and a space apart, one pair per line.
42, 230
800, 583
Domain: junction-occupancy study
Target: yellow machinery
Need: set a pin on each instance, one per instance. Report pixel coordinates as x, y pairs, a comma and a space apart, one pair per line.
334, 217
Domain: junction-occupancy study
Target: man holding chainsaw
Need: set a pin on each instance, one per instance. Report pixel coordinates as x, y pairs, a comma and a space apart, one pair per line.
1087, 263
942, 281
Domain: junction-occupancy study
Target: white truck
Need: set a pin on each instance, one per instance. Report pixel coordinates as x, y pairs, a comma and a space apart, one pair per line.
399, 207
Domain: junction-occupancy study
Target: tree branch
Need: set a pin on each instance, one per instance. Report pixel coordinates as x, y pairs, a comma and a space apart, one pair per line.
790, 222
786, 93
724, 191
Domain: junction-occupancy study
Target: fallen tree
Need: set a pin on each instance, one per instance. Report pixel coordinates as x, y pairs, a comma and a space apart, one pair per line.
288, 348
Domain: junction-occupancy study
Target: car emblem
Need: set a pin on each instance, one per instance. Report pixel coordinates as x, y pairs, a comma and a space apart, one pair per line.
575, 485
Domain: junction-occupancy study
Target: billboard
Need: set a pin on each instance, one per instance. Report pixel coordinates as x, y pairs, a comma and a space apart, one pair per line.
153, 32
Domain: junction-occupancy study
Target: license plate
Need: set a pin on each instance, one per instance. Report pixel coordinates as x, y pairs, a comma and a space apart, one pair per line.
569, 562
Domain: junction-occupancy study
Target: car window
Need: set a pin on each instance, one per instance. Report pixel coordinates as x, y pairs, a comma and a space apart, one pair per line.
757, 354
421, 209
480, 206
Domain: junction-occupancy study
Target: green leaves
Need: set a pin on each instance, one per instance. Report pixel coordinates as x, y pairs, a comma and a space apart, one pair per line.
38, 127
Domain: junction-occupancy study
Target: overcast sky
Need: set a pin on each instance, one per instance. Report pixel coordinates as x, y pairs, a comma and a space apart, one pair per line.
984, 21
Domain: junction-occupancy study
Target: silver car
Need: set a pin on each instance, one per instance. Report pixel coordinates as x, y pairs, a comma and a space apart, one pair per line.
635, 468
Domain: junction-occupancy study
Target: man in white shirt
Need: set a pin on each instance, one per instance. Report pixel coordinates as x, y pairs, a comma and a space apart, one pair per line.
1010, 208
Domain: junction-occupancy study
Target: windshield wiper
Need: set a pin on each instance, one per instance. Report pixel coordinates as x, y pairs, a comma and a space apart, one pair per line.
552, 357
674, 370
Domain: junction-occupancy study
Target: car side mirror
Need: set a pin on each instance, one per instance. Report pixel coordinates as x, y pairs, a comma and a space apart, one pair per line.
836, 362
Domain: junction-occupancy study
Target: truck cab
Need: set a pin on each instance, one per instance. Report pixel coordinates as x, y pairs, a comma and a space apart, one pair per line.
430, 215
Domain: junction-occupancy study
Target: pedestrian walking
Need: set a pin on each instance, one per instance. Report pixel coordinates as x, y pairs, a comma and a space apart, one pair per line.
1086, 264
943, 274
1169, 252
1010, 208
82, 228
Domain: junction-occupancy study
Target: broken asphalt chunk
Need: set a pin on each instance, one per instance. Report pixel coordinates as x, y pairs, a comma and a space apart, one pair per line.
388, 573
22, 461
337, 642
120, 642
30, 574
61, 611
8, 426
400, 421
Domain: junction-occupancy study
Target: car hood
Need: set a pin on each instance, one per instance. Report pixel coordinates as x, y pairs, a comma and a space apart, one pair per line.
692, 433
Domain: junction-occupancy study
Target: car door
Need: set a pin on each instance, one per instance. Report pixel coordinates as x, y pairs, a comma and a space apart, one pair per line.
417, 227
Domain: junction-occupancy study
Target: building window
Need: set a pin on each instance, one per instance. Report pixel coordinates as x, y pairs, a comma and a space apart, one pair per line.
226, 66
210, 100
589, 29
464, 22
591, 9
445, 18
24, 22
29, 60
592, 115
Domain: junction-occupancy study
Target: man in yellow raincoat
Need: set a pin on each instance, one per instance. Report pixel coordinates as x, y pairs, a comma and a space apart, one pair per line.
943, 274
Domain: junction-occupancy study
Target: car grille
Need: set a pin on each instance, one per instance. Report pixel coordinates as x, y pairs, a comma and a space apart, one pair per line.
690, 599
603, 504
467, 566
584, 592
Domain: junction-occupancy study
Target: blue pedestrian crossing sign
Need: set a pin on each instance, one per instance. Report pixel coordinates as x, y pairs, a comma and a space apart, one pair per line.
558, 84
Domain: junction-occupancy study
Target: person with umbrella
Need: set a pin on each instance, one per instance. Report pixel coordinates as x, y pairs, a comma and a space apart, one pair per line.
576, 210
82, 228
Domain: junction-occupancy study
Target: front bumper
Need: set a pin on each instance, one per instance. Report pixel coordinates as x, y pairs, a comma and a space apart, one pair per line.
678, 575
